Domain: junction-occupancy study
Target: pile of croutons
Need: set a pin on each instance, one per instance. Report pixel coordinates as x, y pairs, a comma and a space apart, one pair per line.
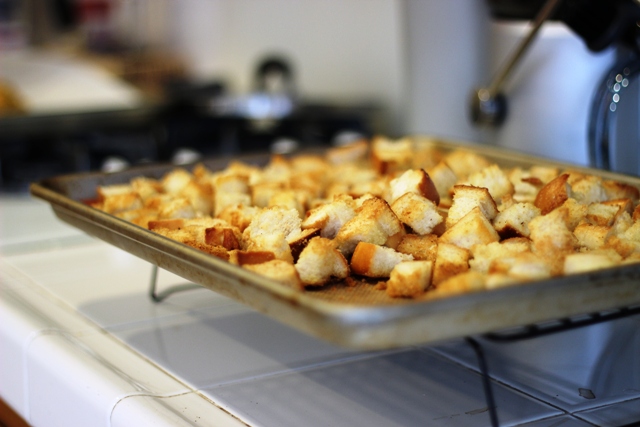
406, 214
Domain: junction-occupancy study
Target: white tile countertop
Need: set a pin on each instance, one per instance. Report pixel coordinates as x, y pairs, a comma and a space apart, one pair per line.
82, 343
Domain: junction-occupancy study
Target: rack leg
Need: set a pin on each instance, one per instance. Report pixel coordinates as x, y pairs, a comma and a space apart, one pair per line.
160, 296
486, 381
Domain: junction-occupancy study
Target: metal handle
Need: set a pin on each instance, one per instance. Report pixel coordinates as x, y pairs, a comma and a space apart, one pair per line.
489, 105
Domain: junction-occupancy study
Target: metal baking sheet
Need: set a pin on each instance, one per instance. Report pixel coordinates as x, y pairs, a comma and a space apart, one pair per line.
360, 316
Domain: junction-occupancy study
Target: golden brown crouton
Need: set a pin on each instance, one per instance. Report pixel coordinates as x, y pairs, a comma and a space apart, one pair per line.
473, 229
553, 194
464, 162
422, 248
587, 261
483, 255
591, 236
349, 153
470, 281
240, 257
409, 279
494, 179
413, 181
468, 197
374, 223
443, 178
330, 217
418, 212
389, 155
320, 261
278, 270
514, 220
375, 261
450, 261
522, 266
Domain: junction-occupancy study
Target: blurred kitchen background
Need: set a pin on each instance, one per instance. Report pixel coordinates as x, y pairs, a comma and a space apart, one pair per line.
105, 84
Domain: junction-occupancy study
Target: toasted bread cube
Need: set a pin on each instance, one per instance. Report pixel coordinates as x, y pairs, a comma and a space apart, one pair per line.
277, 270
464, 162
583, 262
525, 186
187, 237
473, 229
619, 190
553, 194
114, 203
372, 260
275, 242
298, 242
470, 281
591, 236
329, 218
413, 181
223, 200
549, 233
179, 207
466, 198
274, 220
171, 224
200, 196
388, 155
146, 187
624, 247
174, 181
262, 192
225, 236
514, 220
349, 153
320, 261
238, 215
588, 190
240, 257
499, 280
602, 213
418, 212
450, 261
443, 178
409, 279
289, 199
483, 255
422, 248
522, 266
494, 179
574, 213
374, 223
426, 153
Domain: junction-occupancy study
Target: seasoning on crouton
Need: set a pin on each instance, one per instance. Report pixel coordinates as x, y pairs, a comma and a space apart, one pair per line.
418, 212
514, 220
468, 197
422, 248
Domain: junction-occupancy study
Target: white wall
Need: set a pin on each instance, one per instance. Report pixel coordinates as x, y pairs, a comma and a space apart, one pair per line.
342, 50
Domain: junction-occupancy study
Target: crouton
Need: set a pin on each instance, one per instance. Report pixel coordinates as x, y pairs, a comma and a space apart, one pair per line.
277, 270
418, 212
473, 229
372, 260
553, 194
483, 255
589, 189
349, 153
320, 261
443, 178
464, 162
523, 266
178, 207
389, 155
450, 261
374, 223
422, 248
583, 262
602, 213
238, 215
409, 279
591, 236
187, 237
514, 220
329, 218
174, 181
226, 236
115, 203
240, 257
298, 242
413, 181
494, 179
466, 198
470, 281
619, 190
